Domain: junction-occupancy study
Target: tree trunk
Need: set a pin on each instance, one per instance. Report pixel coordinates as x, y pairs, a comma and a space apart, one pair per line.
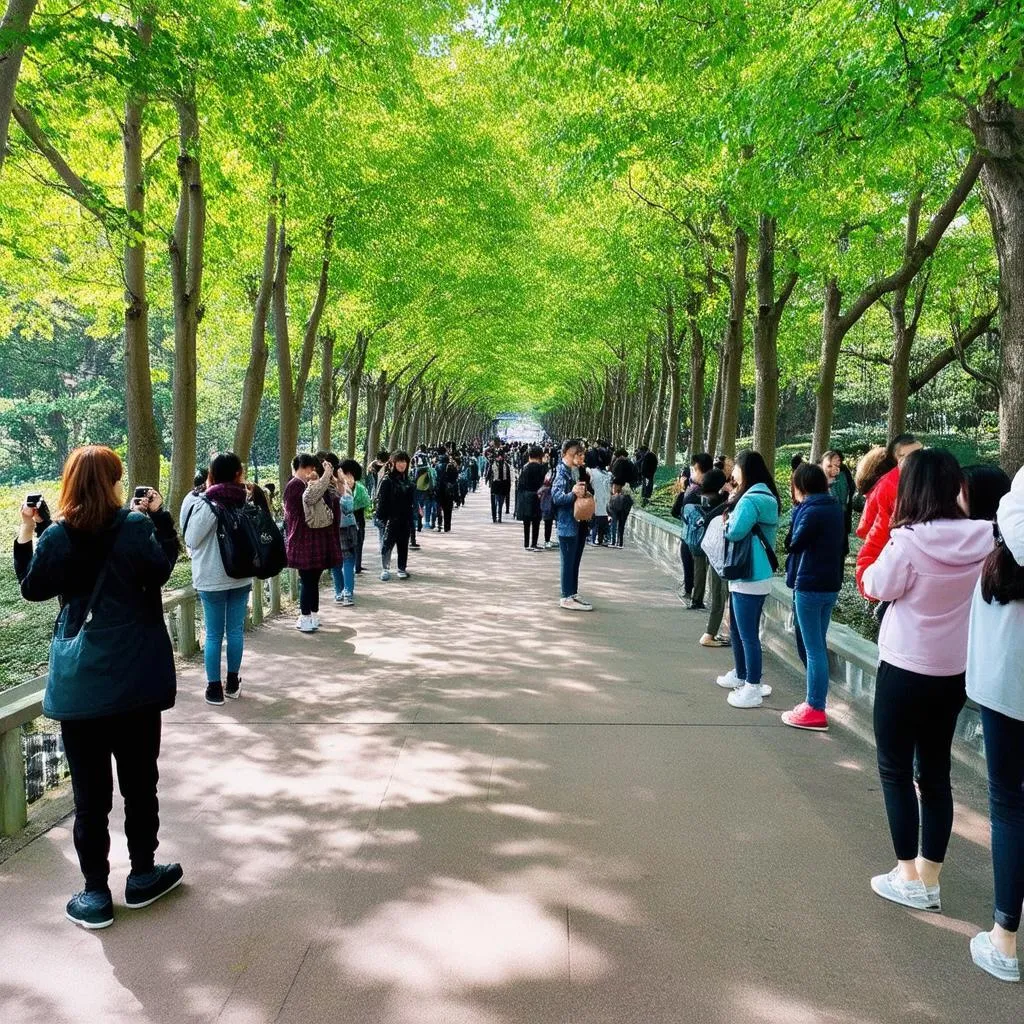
15, 22
831, 339
733, 347
715, 419
259, 298
143, 442
353, 386
698, 365
999, 128
903, 334
380, 408
327, 341
657, 431
288, 425
672, 340
187, 258
835, 327
766, 341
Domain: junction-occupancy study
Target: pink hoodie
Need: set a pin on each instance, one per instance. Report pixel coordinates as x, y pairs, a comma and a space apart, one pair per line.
928, 571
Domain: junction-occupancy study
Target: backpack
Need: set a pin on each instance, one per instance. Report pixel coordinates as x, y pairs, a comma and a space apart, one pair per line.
250, 541
423, 482
694, 525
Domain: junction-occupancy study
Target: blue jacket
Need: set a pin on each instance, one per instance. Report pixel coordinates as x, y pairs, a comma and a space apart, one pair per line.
757, 506
816, 545
563, 500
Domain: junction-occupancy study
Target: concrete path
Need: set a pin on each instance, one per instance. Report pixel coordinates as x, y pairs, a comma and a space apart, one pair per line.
457, 803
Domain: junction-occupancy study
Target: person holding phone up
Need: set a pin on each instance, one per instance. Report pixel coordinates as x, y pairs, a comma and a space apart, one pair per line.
111, 668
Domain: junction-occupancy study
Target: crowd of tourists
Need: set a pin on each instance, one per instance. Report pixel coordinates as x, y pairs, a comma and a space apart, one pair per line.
941, 561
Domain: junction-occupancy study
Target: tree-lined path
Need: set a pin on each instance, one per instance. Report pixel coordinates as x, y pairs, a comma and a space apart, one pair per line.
457, 804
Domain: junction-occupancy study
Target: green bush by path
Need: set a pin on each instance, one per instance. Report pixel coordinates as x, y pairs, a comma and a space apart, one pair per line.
25, 626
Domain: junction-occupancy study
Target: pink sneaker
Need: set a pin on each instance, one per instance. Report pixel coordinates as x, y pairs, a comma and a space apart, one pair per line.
803, 716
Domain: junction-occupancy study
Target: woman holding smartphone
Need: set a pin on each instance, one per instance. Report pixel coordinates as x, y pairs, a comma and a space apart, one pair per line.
106, 565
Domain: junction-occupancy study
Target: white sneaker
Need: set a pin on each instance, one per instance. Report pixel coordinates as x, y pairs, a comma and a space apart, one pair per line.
305, 624
549, 544
894, 889
316, 620
988, 958
347, 601
746, 696
585, 605
766, 690
385, 576
402, 574
730, 680
570, 605
934, 894
338, 598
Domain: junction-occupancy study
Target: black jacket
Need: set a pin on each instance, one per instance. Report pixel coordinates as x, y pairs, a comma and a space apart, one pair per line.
66, 564
396, 498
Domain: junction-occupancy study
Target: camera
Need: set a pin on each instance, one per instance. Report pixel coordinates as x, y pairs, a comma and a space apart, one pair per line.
33, 500
142, 492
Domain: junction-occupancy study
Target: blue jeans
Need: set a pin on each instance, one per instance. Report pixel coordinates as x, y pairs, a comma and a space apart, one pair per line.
344, 576
745, 613
1004, 752
571, 551
813, 611
223, 615
429, 512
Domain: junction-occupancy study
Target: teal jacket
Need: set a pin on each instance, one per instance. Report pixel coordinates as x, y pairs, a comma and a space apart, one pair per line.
757, 506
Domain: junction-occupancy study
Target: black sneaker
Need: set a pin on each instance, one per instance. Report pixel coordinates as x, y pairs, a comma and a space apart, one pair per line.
141, 890
215, 694
91, 910
233, 688
696, 606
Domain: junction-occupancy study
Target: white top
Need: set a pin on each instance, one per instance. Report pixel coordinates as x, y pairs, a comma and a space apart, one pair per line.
995, 640
601, 482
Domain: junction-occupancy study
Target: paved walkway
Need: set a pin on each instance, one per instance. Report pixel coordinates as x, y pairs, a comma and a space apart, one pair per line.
459, 804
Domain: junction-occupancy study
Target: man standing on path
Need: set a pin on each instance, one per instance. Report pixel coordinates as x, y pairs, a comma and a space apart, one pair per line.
499, 476
564, 492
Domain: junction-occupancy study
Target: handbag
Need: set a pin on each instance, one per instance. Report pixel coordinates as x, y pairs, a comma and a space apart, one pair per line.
584, 508
113, 663
739, 556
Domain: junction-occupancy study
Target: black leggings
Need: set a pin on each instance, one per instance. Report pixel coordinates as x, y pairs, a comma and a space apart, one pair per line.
531, 532
446, 514
309, 591
133, 739
916, 714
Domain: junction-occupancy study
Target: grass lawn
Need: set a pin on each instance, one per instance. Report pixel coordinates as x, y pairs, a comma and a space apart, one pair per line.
25, 627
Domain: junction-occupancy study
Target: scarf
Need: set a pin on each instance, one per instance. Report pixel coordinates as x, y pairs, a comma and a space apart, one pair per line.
232, 495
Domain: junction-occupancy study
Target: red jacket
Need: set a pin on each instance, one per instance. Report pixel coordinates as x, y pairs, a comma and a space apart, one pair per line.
874, 523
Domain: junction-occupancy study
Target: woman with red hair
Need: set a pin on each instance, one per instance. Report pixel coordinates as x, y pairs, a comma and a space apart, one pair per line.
111, 664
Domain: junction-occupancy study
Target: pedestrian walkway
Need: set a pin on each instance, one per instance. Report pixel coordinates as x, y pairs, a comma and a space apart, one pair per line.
457, 804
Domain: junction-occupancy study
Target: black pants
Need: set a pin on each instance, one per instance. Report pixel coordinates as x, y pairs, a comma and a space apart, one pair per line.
361, 536
309, 590
619, 528
601, 528
647, 489
497, 500
548, 524
133, 740
687, 556
396, 537
531, 532
1004, 752
446, 506
916, 715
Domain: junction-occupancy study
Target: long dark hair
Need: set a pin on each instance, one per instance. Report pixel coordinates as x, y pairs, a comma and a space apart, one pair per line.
755, 471
930, 482
1002, 577
983, 487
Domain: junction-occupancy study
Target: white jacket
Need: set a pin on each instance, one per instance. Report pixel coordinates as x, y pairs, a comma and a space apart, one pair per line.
995, 642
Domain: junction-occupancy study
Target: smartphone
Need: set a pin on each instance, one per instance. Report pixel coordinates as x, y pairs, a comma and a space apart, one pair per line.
32, 500
142, 492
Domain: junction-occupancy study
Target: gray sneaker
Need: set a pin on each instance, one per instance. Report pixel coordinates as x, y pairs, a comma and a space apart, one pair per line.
988, 958
908, 894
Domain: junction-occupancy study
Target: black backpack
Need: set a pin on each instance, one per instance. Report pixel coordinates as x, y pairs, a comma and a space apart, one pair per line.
250, 541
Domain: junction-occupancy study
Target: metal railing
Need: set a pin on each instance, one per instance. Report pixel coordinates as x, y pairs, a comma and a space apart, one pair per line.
23, 704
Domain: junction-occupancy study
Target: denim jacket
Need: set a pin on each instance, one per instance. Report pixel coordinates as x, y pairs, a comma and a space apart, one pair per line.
563, 500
